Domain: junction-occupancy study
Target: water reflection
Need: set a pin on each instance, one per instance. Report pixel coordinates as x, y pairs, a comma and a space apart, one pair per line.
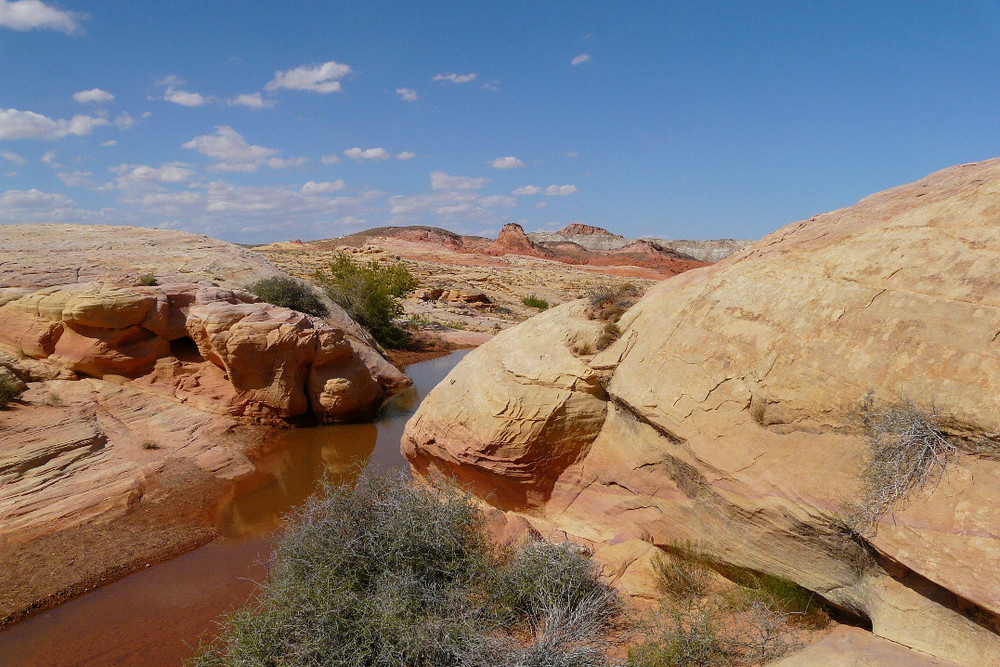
300, 457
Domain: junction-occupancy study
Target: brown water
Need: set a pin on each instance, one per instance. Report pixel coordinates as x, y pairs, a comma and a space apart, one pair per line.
156, 616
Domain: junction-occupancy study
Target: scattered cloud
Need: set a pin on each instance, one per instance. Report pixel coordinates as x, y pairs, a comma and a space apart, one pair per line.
50, 159
407, 94
509, 162
11, 156
324, 188
572, 154
330, 159
541, 204
33, 14
183, 97
442, 181
375, 154
251, 100
323, 78
109, 142
406, 155
131, 175
580, 59
93, 96
78, 179
231, 150
492, 85
124, 121
528, 190
286, 163
455, 78
15, 124
18, 206
552, 190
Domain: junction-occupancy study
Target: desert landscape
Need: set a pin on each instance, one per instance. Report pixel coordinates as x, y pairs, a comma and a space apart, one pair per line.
480, 334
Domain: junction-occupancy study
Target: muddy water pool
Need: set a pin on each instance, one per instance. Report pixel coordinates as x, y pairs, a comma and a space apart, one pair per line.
156, 616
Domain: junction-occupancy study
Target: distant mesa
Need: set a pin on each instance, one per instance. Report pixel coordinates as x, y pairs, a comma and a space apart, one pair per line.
586, 230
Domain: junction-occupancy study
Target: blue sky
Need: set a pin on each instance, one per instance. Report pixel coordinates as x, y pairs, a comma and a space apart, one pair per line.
280, 120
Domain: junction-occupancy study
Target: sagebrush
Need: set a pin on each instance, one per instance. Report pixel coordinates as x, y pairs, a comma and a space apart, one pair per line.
9, 390
371, 294
289, 293
907, 454
391, 574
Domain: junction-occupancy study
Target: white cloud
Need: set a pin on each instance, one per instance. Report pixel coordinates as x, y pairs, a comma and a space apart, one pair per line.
11, 156
15, 124
231, 150
330, 159
492, 85
252, 100
183, 97
124, 121
326, 187
442, 181
323, 78
93, 96
359, 154
109, 142
50, 159
406, 155
78, 179
541, 204
130, 175
572, 154
37, 206
509, 162
407, 94
286, 163
580, 59
552, 190
455, 78
31, 14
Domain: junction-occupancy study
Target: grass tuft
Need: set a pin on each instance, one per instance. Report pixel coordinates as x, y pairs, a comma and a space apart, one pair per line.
532, 301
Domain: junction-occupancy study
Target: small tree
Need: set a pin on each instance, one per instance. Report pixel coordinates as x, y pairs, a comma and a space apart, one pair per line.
371, 294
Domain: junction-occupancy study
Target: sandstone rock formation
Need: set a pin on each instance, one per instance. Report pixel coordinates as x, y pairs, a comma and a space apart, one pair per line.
136, 394
725, 413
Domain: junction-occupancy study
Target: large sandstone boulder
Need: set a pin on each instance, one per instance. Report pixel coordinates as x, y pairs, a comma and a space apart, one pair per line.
68, 296
728, 411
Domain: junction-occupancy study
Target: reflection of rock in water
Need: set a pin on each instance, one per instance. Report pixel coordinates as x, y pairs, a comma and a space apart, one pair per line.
291, 472
404, 402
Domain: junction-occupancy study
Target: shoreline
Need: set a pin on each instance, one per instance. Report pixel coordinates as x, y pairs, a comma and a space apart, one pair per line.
53, 569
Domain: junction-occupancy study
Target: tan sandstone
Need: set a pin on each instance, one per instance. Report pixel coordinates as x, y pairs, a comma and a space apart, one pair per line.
725, 413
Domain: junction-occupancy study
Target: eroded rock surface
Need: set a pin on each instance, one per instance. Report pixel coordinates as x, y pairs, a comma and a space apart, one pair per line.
136, 395
725, 412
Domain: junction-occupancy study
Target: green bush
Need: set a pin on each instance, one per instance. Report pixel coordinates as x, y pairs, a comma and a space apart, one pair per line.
393, 574
371, 294
8, 391
532, 301
147, 280
289, 293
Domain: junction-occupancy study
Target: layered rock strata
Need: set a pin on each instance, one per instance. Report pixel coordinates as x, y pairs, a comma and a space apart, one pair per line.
725, 414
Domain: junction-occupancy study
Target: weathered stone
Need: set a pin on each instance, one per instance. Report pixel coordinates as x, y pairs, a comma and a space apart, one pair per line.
729, 412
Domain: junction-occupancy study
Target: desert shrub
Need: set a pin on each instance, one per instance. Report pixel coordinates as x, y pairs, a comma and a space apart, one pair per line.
609, 334
907, 454
289, 293
681, 573
149, 444
609, 303
371, 294
700, 624
532, 301
765, 591
393, 574
147, 280
9, 390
